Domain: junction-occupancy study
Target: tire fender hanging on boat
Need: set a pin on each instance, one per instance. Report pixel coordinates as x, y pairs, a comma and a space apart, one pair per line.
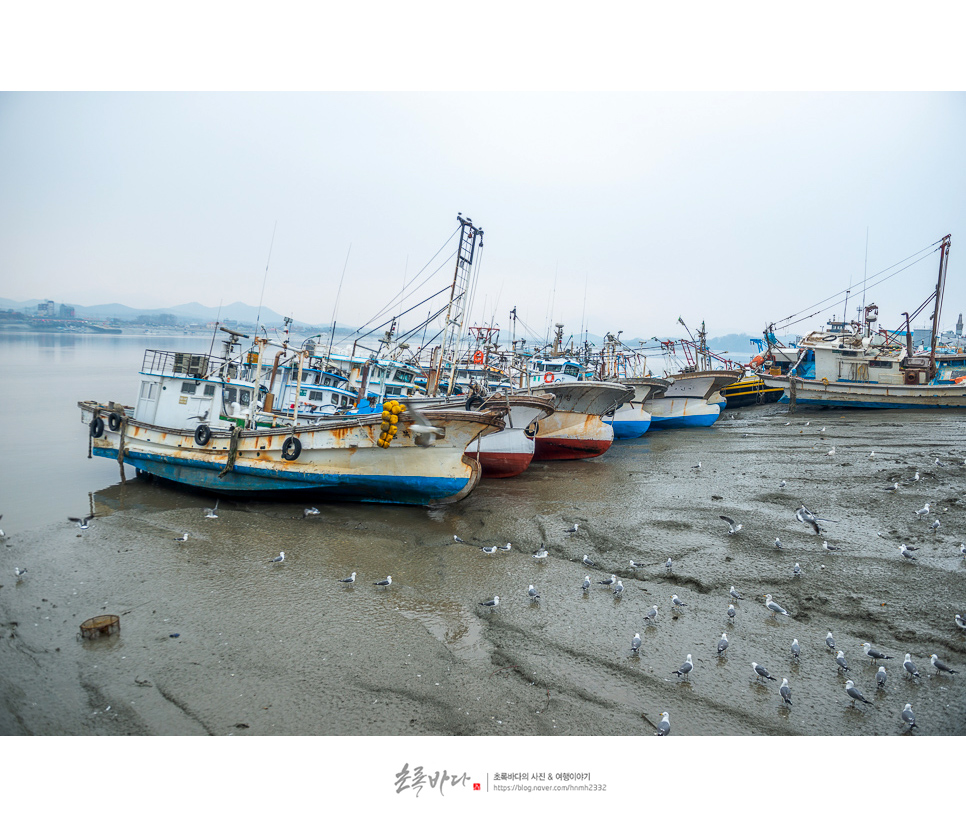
474, 402
114, 421
202, 435
97, 426
291, 448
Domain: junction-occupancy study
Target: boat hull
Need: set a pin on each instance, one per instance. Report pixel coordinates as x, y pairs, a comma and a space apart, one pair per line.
868, 395
749, 391
683, 413
629, 421
565, 435
338, 460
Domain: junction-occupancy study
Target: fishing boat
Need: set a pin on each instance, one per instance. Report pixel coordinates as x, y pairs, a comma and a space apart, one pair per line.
618, 363
576, 429
857, 364
196, 425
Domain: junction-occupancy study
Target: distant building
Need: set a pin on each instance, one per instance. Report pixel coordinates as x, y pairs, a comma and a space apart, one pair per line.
66, 311
959, 327
47, 308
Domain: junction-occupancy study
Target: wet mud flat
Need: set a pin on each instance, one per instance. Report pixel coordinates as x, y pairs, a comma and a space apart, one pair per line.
217, 639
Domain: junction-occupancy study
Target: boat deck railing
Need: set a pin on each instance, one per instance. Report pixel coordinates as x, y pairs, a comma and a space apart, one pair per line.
171, 363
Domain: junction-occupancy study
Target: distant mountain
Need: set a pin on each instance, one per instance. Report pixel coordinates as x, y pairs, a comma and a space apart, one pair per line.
186, 313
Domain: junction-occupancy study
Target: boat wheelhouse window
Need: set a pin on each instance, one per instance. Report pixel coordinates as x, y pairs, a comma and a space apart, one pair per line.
878, 363
393, 391
244, 396
316, 395
189, 387
230, 395
209, 390
573, 370
149, 390
403, 376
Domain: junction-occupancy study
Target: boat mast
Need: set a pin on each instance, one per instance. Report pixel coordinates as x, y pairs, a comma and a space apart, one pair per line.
940, 287
457, 297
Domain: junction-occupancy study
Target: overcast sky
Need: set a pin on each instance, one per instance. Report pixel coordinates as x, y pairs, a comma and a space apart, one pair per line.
621, 211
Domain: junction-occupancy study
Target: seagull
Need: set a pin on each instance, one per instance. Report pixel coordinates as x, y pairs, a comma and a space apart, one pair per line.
182, 538
676, 602
651, 616
541, 553
761, 671
893, 488
491, 603
686, 667
962, 548
785, 691
796, 571
458, 540
586, 561
83, 523
489, 550
873, 654
697, 466
830, 641
880, 676
212, 512
830, 452
734, 593
840, 659
940, 666
573, 529
778, 543
309, 511
806, 517
18, 572
384, 582
610, 581
907, 552
586, 586
937, 462
532, 592
636, 564
910, 667
821, 430
664, 725
922, 513
909, 716
349, 579
913, 479
935, 526
854, 694
618, 588
774, 607
733, 527
2, 536
731, 611
827, 546
667, 564
872, 455
279, 559
507, 548
961, 622
796, 650
782, 485
808, 422
636, 643
722, 643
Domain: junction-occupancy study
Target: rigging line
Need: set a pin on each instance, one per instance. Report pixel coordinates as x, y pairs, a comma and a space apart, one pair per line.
335, 307
261, 298
831, 297
387, 321
401, 293
825, 310
389, 305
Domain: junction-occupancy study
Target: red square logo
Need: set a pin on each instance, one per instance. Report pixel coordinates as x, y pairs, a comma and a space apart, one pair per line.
476, 786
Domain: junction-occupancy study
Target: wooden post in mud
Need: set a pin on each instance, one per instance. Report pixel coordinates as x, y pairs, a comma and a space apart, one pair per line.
791, 394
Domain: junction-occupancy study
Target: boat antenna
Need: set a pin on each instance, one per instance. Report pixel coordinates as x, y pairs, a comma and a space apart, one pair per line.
258, 316
335, 308
214, 330
865, 268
